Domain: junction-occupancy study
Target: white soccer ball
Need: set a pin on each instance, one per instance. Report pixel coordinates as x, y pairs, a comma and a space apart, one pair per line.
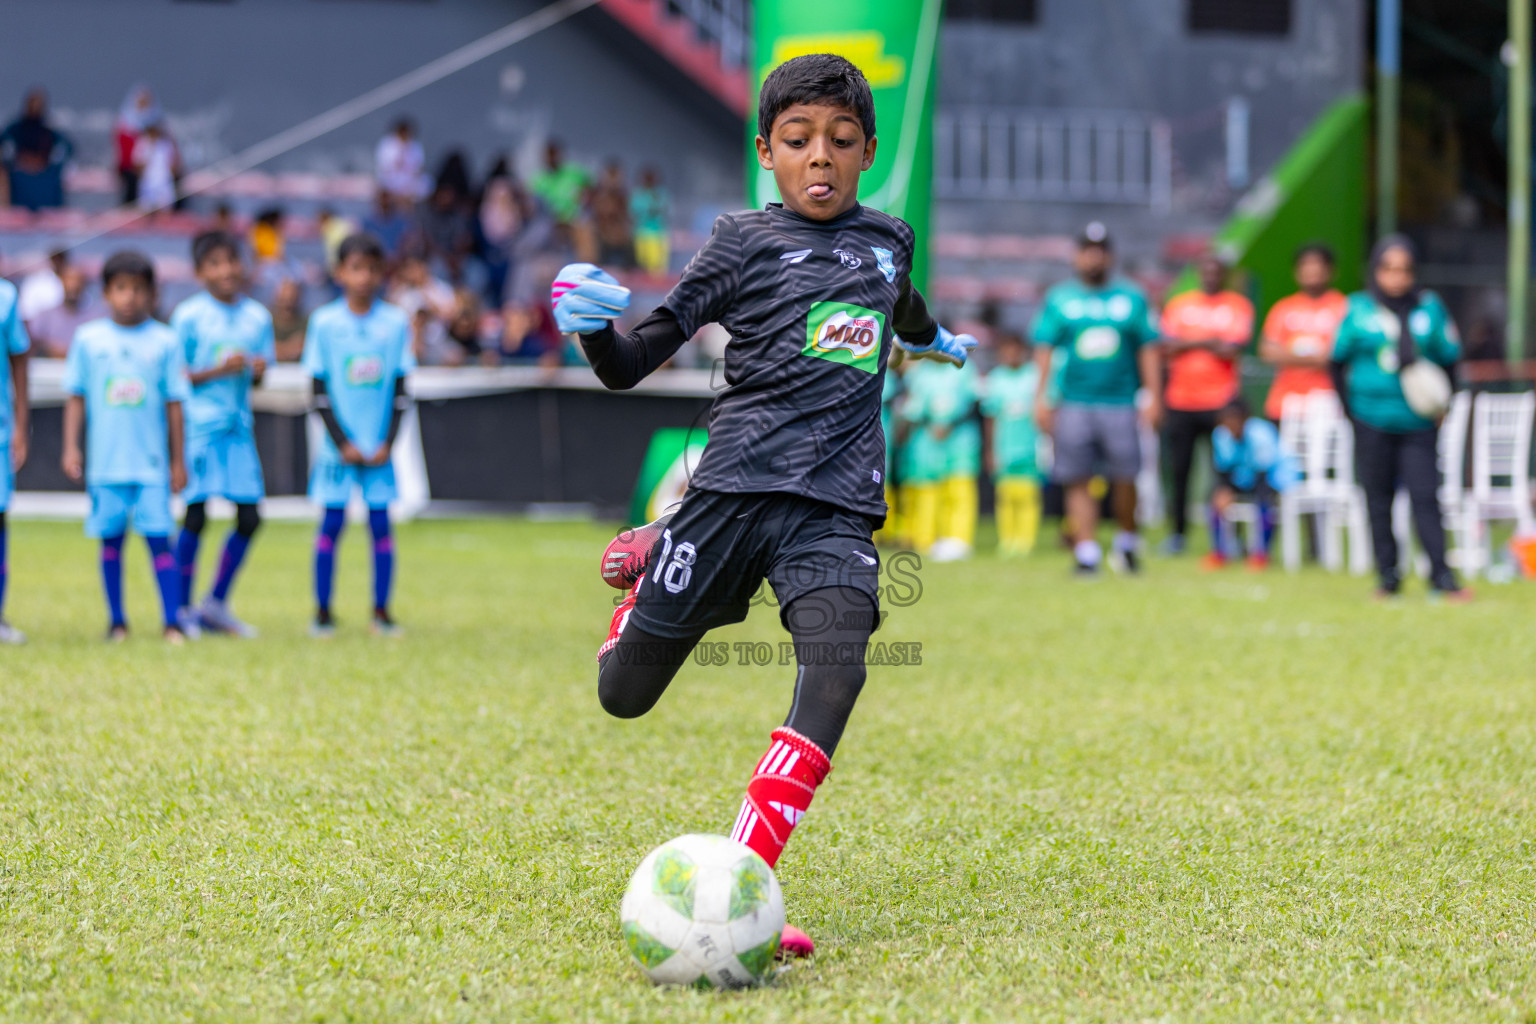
1427, 388
703, 911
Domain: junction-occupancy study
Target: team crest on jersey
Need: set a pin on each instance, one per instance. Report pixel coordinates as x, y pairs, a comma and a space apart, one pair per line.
844, 333
126, 392
886, 261
850, 261
364, 370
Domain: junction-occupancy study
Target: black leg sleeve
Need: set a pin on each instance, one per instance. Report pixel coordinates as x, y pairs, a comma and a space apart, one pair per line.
1179, 435
1420, 473
636, 671
831, 629
1376, 470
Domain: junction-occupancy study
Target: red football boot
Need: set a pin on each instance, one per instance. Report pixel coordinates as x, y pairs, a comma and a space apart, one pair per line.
627, 556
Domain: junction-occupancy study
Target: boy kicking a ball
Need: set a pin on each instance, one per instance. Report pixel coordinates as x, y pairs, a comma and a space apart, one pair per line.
226, 339
814, 292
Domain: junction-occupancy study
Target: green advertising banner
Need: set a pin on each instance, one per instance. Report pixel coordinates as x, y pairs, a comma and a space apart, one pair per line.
670, 460
893, 42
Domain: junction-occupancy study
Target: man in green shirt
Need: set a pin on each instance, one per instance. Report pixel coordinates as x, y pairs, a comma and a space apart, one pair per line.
560, 185
1105, 331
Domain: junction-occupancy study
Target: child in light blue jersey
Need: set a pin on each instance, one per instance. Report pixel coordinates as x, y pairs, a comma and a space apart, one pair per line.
357, 351
14, 420
127, 383
226, 339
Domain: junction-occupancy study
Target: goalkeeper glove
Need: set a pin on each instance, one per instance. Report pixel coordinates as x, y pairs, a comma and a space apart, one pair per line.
586, 298
945, 347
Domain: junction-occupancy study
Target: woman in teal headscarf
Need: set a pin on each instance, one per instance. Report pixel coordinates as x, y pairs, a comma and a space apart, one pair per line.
1387, 328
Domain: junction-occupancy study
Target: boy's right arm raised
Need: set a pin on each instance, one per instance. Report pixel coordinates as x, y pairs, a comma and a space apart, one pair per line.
587, 299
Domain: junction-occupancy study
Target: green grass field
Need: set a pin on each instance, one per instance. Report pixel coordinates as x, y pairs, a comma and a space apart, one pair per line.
1181, 797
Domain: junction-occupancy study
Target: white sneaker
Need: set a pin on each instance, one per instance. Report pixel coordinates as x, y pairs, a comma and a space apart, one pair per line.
186, 621
216, 616
9, 634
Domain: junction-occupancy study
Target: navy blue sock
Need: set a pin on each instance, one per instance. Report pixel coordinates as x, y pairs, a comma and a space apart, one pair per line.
229, 564
167, 575
112, 577
4, 568
325, 555
383, 557
186, 561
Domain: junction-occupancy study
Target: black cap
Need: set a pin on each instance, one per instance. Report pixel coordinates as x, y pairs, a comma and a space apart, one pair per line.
1094, 233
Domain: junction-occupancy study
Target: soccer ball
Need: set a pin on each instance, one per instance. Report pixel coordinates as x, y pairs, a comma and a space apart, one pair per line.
703, 911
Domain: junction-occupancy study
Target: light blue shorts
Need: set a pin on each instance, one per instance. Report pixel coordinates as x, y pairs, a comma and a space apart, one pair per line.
331, 484
113, 506
224, 465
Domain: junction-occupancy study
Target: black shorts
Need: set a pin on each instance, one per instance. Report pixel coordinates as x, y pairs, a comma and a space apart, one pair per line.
706, 569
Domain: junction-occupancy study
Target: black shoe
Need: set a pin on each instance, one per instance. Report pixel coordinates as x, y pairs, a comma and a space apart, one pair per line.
117, 633
324, 626
383, 625
1084, 571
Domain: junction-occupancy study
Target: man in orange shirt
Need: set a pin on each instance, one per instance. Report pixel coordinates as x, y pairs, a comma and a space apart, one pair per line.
1298, 333
1203, 333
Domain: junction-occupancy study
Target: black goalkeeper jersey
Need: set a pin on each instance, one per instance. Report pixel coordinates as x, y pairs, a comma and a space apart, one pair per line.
811, 307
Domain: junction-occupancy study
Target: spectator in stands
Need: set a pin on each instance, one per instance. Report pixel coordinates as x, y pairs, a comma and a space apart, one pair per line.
43, 288
1299, 330
501, 220
465, 328
224, 220
388, 223
34, 154
139, 110
1387, 328
400, 162
1203, 333
529, 335
289, 320
453, 175
445, 232
269, 241
158, 165
648, 208
561, 186
1107, 339
332, 229
609, 203
429, 302
52, 329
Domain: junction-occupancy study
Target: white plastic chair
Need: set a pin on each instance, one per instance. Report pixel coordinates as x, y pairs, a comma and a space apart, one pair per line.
1313, 427
1307, 495
1501, 473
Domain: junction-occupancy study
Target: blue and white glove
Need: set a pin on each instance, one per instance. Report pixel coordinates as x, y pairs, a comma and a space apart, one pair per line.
586, 298
945, 347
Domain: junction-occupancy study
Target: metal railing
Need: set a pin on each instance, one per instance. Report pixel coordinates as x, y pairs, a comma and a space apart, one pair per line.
1054, 156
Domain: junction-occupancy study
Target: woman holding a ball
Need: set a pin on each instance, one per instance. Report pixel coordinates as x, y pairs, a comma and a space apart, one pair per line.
1391, 363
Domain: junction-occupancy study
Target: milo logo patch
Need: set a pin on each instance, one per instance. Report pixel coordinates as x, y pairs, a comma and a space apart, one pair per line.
364, 370
127, 391
844, 333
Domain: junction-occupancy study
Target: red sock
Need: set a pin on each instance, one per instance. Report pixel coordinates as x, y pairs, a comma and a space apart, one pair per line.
779, 794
